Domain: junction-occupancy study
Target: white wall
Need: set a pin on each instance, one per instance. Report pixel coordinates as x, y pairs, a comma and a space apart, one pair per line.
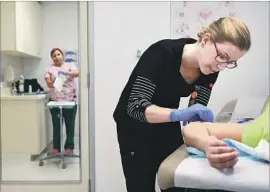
120, 29
251, 78
60, 29
123, 27
15, 63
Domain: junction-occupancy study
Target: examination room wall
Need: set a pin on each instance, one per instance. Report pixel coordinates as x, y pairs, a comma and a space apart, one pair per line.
122, 28
56, 17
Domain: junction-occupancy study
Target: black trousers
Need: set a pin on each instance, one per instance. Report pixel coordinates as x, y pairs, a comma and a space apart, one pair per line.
143, 150
69, 116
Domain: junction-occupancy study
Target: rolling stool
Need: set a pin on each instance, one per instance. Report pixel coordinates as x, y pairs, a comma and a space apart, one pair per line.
62, 154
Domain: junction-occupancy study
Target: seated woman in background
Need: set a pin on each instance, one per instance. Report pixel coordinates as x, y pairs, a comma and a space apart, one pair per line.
68, 93
208, 137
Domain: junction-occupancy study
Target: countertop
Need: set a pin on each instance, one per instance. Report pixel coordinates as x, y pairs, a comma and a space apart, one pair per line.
24, 97
6, 95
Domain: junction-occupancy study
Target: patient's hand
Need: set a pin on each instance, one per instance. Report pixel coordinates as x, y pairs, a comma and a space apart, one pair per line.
219, 154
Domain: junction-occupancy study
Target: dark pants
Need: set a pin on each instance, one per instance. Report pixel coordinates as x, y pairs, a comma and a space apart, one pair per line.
142, 151
140, 173
69, 116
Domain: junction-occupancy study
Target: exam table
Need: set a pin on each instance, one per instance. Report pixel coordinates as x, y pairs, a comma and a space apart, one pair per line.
180, 169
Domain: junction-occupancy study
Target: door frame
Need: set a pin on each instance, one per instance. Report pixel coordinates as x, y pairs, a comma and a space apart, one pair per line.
91, 94
83, 185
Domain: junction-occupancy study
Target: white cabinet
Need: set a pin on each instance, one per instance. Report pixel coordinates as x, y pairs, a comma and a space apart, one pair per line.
21, 28
25, 126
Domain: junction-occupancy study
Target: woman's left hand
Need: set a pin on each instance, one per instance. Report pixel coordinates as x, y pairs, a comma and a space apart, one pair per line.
73, 73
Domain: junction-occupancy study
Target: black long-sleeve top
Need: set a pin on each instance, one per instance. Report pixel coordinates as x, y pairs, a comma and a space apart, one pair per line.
156, 79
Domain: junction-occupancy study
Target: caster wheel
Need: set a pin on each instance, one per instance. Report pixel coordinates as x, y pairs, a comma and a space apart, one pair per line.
41, 163
33, 157
64, 166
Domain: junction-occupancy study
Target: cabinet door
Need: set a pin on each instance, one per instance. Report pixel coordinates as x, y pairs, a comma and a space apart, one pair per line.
28, 26
21, 26
19, 126
8, 28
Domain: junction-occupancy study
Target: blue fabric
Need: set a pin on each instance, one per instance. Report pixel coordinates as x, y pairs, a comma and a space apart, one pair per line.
242, 152
245, 120
70, 53
62, 72
69, 60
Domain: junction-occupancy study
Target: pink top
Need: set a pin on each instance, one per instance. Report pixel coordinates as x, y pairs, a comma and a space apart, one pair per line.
69, 87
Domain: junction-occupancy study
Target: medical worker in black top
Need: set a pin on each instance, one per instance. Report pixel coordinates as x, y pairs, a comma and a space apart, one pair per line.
147, 114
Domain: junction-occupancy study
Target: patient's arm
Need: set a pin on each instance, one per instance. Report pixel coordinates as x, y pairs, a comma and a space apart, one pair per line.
197, 134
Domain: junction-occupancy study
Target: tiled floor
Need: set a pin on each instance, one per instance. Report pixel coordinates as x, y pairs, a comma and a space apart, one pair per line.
19, 168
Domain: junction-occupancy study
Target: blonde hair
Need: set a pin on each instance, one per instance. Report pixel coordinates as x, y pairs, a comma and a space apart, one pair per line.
228, 29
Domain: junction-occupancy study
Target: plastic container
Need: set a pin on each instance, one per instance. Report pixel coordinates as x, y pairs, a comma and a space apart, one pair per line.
30, 89
21, 88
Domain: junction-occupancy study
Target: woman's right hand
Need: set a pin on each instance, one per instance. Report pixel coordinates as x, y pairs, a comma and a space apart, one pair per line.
49, 82
195, 112
219, 154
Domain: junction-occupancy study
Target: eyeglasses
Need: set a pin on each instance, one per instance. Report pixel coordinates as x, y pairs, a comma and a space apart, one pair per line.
223, 61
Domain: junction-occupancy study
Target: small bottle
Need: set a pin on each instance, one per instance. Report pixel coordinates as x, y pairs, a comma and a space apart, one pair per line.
30, 89
21, 87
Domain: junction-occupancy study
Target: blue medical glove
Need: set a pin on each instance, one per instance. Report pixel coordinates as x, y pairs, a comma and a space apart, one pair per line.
196, 112
195, 118
62, 72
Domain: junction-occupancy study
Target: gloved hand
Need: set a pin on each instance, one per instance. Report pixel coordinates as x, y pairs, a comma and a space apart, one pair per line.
62, 72
195, 118
196, 112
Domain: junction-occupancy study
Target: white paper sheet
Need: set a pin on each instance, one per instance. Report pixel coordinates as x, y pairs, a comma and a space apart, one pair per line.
59, 82
246, 176
262, 150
